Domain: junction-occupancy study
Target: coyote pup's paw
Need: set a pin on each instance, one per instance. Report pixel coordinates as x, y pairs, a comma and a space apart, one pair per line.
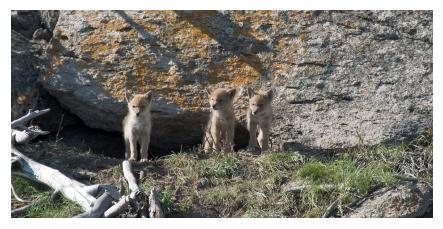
253, 150
143, 160
132, 159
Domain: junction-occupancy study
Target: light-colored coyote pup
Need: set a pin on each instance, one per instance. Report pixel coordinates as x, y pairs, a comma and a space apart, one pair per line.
220, 130
137, 125
259, 117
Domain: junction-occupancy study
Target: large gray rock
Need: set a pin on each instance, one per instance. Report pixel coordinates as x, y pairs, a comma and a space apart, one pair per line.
357, 78
404, 201
342, 79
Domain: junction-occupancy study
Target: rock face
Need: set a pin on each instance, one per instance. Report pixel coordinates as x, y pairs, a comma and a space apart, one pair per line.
24, 88
409, 200
27, 56
25, 22
341, 78
34, 24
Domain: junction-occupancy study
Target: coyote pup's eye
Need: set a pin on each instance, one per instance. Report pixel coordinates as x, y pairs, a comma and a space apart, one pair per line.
133, 106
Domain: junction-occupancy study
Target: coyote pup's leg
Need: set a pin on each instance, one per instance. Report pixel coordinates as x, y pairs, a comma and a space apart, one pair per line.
144, 147
218, 140
263, 137
252, 128
208, 141
127, 148
133, 148
229, 139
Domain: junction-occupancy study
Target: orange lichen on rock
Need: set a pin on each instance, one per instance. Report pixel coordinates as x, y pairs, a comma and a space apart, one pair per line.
232, 70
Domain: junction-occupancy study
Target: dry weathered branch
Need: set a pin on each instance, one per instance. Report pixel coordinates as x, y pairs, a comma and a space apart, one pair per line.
93, 190
116, 209
18, 211
330, 209
70, 188
101, 205
26, 135
31, 115
127, 172
122, 186
15, 195
55, 195
21, 134
155, 210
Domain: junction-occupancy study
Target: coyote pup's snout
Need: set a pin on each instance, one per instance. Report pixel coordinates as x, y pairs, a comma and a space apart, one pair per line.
137, 125
220, 130
259, 117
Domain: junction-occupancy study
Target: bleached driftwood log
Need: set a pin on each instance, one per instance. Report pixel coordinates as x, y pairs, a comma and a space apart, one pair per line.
84, 195
73, 190
155, 210
69, 188
135, 198
129, 176
26, 135
21, 122
21, 134
330, 209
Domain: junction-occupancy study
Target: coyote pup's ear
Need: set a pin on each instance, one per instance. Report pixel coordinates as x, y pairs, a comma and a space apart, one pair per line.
148, 96
232, 92
251, 92
127, 96
269, 94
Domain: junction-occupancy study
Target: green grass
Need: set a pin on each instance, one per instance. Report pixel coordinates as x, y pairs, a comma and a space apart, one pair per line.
346, 179
237, 185
44, 207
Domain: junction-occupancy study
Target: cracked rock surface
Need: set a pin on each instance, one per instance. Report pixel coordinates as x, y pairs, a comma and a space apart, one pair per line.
342, 78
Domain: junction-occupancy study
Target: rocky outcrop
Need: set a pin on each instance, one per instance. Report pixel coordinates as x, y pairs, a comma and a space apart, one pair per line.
341, 78
24, 74
404, 201
28, 58
25, 22
34, 24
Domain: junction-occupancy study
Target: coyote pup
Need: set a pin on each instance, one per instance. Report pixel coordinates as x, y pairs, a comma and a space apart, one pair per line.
220, 130
137, 125
259, 116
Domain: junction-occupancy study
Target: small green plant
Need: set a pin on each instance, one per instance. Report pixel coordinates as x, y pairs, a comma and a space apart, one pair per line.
222, 166
276, 162
167, 200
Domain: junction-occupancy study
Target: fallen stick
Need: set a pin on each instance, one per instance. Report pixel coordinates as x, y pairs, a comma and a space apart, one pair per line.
155, 210
26, 135
119, 207
71, 189
129, 176
16, 196
101, 205
135, 198
31, 115
19, 211
330, 209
